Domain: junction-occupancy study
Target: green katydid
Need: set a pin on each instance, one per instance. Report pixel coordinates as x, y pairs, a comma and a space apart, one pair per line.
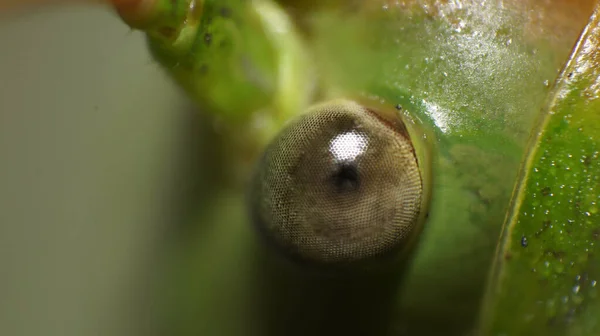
449, 89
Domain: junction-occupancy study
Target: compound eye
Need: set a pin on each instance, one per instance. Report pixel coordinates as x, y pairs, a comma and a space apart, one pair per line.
339, 185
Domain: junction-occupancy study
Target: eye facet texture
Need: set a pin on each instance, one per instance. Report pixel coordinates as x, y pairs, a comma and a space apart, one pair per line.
338, 185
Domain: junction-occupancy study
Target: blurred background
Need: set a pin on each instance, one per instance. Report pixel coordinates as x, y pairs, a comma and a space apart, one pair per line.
96, 160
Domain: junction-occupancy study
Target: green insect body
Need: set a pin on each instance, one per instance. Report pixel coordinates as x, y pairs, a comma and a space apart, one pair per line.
468, 83
240, 61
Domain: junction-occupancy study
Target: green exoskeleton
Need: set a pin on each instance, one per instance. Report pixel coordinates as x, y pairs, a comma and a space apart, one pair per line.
368, 153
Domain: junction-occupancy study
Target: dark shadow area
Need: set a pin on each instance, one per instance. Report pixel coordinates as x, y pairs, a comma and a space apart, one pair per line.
293, 300
197, 159
200, 160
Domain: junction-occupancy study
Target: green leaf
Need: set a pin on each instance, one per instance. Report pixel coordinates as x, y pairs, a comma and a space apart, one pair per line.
547, 268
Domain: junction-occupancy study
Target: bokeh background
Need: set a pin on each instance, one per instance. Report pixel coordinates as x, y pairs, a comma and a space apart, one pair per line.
97, 160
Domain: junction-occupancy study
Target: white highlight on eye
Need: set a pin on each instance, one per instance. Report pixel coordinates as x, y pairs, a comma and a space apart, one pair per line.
347, 146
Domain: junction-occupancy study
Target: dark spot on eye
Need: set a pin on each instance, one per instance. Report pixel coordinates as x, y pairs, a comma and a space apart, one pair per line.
207, 38
346, 178
524, 241
399, 107
546, 191
225, 12
570, 74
